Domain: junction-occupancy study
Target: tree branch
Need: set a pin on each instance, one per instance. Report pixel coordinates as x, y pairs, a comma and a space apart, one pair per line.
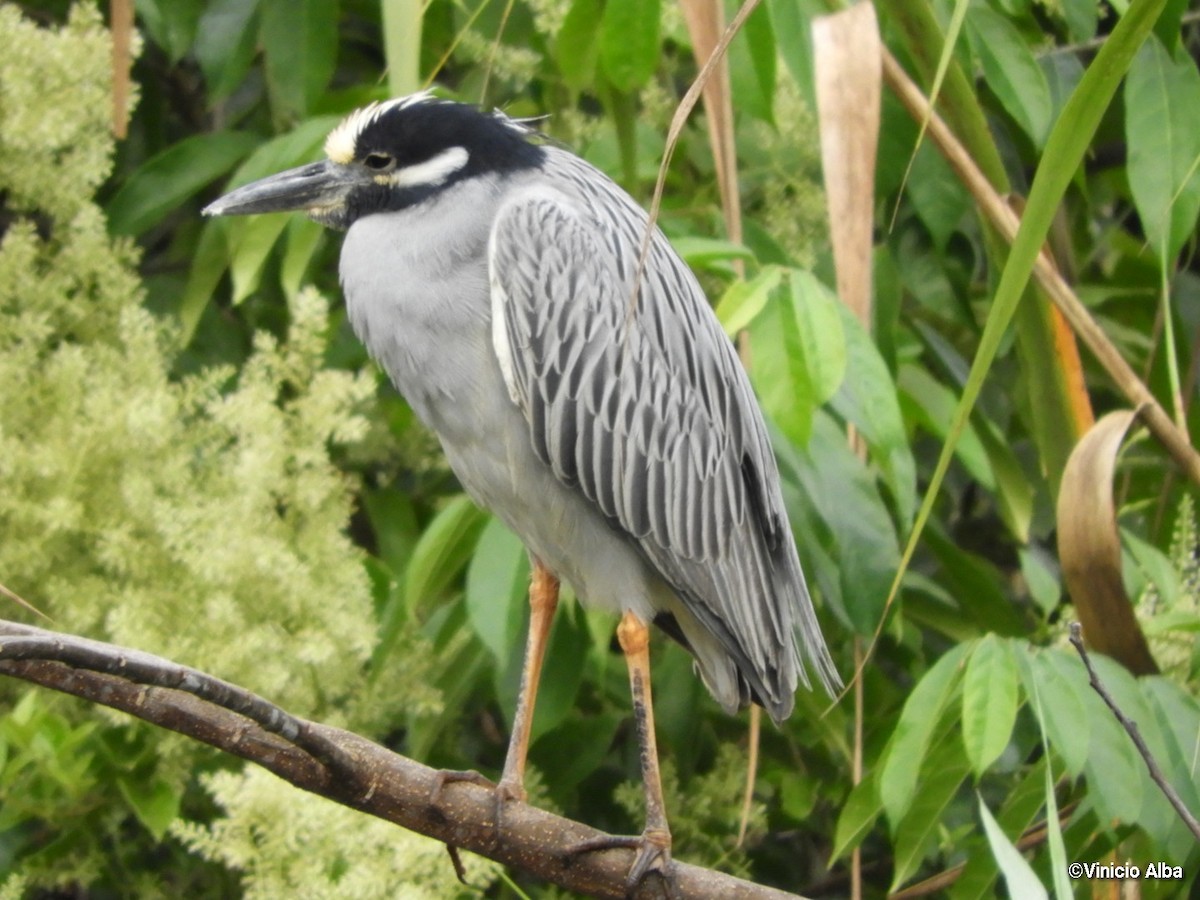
341, 766
1135, 735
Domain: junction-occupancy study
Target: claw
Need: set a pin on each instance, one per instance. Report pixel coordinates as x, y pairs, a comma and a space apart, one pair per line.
653, 847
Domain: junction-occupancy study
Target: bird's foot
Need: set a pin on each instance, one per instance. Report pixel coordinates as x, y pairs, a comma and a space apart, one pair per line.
653, 848
456, 776
505, 792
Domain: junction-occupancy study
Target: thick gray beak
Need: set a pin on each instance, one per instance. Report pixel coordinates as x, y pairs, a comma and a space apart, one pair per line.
319, 188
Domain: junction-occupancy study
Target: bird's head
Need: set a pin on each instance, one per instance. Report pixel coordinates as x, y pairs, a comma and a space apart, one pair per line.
389, 156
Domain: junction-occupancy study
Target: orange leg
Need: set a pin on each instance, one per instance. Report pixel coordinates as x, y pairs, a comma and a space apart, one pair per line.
543, 601
654, 843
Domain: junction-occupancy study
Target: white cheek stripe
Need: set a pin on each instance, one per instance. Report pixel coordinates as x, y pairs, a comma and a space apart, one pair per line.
432, 172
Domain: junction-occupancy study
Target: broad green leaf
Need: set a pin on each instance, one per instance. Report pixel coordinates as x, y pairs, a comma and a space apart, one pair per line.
989, 702
1063, 692
1011, 71
793, 33
209, 262
225, 43
577, 47
444, 548
938, 196
304, 237
868, 397
154, 801
162, 183
751, 61
1014, 489
744, 300
394, 523
1081, 18
1156, 566
497, 588
1162, 95
562, 673
821, 327
931, 404
910, 740
1178, 717
299, 41
1018, 876
629, 42
860, 811
976, 584
703, 252
849, 541
798, 350
171, 24
255, 237
941, 776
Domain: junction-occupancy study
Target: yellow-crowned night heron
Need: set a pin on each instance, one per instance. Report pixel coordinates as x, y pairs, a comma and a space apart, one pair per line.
491, 275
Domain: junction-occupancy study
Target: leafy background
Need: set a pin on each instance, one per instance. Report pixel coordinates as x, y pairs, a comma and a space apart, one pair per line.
197, 459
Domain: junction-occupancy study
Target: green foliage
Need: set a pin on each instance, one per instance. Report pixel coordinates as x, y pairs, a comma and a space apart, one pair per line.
287, 843
190, 434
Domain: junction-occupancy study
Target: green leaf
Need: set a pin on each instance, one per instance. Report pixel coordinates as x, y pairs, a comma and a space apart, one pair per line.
1063, 690
751, 60
704, 253
225, 43
744, 300
497, 587
445, 546
821, 322
1018, 876
859, 813
941, 777
209, 262
164, 182
793, 32
299, 40
577, 47
850, 546
153, 801
868, 398
910, 740
629, 44
562, 674
930, 404
394, 523
989, 702
1011, 71
304, 237
171, 24
1162, 95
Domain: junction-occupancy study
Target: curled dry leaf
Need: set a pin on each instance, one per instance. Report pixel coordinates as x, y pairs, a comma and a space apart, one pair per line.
1089, 546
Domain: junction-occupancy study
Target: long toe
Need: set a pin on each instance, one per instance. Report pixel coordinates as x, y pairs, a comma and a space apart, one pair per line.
652, 856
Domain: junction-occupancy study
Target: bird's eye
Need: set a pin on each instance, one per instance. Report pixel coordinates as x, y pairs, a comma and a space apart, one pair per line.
378, 161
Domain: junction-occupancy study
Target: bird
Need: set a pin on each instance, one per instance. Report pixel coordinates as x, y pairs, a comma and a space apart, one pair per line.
582, 392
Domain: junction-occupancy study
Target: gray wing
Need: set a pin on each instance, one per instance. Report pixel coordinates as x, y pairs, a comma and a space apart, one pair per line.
646, 410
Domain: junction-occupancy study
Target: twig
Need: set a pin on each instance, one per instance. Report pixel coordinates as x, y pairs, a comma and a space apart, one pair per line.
1131, 727
341, 766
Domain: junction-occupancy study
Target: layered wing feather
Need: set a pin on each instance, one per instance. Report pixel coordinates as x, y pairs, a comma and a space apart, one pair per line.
642, 405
